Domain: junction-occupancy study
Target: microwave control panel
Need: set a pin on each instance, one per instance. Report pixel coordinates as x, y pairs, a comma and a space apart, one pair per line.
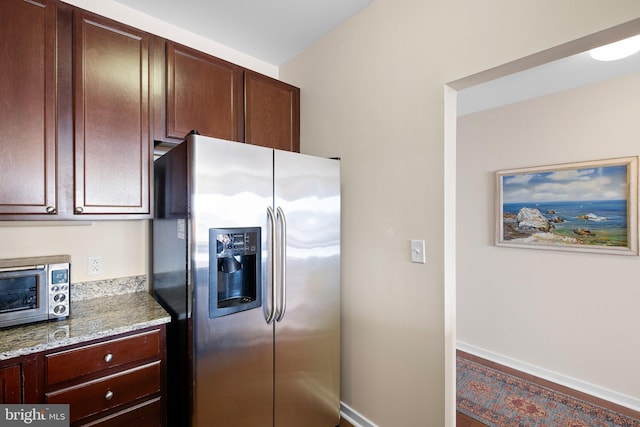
58, 290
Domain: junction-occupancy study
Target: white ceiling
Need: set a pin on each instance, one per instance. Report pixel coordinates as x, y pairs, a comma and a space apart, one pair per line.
568, 73
271, 30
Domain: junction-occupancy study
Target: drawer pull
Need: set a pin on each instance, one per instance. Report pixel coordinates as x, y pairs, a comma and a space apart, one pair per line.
108, 357
108, 395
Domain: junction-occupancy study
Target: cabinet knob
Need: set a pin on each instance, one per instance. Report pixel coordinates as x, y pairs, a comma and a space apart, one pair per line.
78, 210
51, 209
108, 357
108, 395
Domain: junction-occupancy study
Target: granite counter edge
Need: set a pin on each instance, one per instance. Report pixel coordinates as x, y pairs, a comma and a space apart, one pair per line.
25, 351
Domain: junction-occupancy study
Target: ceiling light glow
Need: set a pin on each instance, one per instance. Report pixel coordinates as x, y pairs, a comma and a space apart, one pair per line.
618, 50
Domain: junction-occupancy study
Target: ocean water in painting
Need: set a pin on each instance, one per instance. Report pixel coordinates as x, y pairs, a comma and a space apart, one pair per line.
605, 219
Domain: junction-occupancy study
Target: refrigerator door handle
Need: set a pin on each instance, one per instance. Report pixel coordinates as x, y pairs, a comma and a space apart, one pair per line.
269, 311
282, 264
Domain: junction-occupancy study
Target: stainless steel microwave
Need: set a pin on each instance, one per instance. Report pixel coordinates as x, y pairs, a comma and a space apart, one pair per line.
34, 289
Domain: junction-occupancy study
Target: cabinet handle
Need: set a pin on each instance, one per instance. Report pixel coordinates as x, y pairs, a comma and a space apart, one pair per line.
79, 210
51, 209
108, 357
108, 395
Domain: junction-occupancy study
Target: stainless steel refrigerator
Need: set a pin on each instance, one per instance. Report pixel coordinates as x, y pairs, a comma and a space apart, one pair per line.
246, 258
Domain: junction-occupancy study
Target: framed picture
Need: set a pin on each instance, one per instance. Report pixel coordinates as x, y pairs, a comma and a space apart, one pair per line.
586, 206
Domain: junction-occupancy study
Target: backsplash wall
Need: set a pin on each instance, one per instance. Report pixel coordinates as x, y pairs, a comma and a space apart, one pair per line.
122, 245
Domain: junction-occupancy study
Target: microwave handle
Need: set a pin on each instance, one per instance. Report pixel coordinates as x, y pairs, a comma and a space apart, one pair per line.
23, 268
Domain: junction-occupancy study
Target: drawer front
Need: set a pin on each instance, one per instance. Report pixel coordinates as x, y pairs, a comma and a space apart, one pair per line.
109, 392
146, 414
71, 364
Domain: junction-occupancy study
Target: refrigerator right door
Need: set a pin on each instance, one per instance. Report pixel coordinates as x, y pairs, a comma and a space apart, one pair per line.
307, 336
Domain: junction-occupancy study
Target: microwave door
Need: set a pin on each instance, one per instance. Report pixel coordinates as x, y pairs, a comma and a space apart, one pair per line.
23, 296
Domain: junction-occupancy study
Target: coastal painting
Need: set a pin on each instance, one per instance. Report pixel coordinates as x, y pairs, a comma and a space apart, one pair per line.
585, 206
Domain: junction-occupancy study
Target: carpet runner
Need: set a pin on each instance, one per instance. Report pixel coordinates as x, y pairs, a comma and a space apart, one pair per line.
498, 399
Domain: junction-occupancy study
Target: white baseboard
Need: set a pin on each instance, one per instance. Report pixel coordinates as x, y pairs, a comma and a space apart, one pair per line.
575, 384
353, 417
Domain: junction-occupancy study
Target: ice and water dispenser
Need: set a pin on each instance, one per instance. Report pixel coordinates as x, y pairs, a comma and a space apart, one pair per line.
234, 271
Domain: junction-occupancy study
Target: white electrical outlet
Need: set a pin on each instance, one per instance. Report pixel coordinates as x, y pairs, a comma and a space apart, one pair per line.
95, 265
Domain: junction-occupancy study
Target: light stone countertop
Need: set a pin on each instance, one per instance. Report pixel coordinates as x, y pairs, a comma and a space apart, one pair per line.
90, 319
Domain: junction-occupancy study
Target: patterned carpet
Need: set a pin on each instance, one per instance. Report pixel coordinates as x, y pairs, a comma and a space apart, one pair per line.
502, 400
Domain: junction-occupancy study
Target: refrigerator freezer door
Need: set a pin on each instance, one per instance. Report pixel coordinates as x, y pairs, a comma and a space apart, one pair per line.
233, 376
307, 349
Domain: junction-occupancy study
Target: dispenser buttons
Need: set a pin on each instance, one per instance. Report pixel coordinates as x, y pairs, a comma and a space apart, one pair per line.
417, 252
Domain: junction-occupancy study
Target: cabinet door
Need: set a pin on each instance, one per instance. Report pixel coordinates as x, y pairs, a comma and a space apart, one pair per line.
203, 93
272, 112
111, 113
27, 107
10, 385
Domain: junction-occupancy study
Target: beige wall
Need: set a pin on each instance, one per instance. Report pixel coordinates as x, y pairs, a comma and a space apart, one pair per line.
568, 313
372, 93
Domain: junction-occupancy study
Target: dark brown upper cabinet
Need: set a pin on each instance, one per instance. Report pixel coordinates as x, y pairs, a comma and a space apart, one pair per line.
28, 107
201, 92
111, 117
74, 114
196, 91
78, 93
272, 112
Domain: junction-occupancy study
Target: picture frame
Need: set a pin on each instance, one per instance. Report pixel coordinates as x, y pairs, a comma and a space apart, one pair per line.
589, 206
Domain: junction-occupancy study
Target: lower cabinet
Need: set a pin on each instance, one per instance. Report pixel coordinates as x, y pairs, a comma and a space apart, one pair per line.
21, 380
10, 384
114, 382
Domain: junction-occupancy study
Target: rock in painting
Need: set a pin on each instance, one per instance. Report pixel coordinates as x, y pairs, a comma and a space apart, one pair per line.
532, 219
584, 232
557, 220
592, 217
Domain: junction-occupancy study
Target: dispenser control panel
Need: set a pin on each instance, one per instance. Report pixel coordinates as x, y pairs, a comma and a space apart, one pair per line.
230, 244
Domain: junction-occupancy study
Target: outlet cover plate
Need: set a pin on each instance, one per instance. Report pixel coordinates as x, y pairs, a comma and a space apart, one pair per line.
94, 266
417, 252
